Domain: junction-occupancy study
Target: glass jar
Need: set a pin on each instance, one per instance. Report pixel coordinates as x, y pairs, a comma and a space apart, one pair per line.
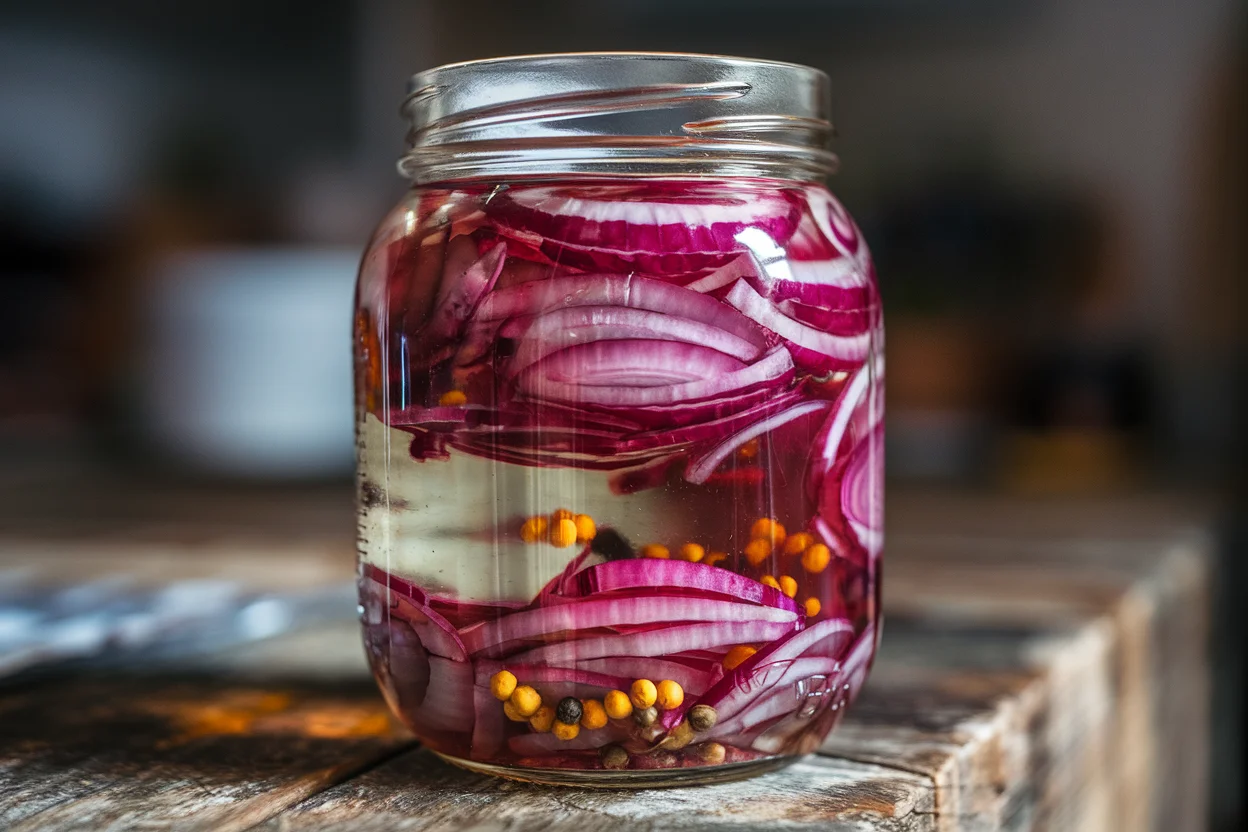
619, 419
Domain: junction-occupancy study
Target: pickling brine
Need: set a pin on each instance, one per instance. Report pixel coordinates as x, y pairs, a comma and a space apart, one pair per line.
620, 472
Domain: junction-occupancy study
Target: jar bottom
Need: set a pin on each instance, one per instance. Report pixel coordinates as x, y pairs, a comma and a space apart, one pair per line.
630, 779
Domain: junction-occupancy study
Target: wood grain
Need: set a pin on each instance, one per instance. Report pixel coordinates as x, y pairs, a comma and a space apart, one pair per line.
196, 753
1042, 667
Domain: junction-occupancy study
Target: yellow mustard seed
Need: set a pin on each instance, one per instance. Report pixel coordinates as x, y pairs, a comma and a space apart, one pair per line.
655, 550
453, 398
795, 544
813, 607
749, 450
692, 552
766, 528
757, 550
534, 529
617, 705
788, 585
565, 731
737, 655
586, 529
543, 719
561, 514
670, 695
770, 580
715, 558
526, 701
593, 714
562, 533
643, 693
502, 684
816, 558
512, 714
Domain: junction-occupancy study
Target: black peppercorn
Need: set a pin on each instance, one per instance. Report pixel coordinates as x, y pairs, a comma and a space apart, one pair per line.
702, 717
569, 710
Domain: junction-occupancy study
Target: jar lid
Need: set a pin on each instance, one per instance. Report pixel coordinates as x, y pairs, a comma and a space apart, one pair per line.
618, 113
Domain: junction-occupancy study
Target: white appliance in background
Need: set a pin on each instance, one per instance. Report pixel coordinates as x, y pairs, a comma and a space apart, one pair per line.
246, 361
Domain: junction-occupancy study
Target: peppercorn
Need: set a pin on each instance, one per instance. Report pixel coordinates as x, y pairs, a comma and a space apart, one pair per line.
702, 718
569, 710
757, 550
655, 550
534, 529
816, 558
586, 529
692, 552
737, 655
503, 684
564, 731
643, 693
543, 719
711, 753
614, 757
795, 544
617, 705
526, 701
594, 714
813, 607
562, 533
453, 398
788, 585
669, 695
646, 716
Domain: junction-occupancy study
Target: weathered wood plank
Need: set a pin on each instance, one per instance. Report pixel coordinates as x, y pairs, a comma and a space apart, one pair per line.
418, 792
189, 754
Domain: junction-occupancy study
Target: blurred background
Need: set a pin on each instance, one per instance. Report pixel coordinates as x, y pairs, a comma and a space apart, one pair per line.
1053, 189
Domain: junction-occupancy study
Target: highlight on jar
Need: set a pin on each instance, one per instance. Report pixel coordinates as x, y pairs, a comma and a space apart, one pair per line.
620, 472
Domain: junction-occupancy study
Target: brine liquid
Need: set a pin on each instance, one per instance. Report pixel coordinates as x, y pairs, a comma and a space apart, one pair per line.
542, 535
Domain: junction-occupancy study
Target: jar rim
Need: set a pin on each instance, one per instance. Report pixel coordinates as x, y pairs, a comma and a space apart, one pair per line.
618, 113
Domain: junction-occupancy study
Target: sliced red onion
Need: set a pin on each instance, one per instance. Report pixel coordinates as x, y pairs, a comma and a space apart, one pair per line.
626, 290
862, 491
666, 230
653, 573
610, 612
832, 434
661, 642
843, 322
488, 728
539, 676
813, 350
459, 294
824, 639
435, 632
775, 369
565, 328
626, 363
694, 681
532, 745
834, 221
702, 469
447, 705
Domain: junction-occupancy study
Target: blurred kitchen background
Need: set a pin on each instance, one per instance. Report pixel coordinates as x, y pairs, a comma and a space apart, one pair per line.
1053, 189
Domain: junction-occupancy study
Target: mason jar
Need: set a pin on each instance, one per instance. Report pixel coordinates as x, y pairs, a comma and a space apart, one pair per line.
619, 413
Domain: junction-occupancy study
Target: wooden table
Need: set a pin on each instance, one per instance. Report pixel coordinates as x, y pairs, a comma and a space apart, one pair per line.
1043, 667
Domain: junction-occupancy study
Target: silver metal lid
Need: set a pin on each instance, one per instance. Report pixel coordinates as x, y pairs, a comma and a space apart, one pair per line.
618, 113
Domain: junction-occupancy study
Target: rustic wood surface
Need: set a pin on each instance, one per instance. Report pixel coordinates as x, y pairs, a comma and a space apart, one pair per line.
1042, 667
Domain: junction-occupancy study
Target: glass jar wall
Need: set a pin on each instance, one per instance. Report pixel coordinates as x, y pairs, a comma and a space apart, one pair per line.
620, 470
